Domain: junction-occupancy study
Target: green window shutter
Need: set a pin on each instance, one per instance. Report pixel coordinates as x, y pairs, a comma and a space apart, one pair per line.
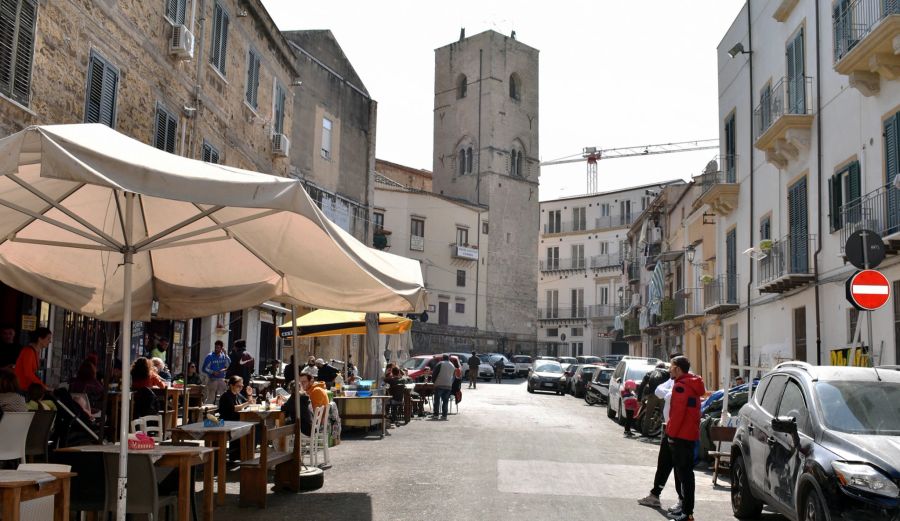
219, 50
835, 196
279, 109
796, 83
892, 165
730, 150
799, 227
166, 130
854, 183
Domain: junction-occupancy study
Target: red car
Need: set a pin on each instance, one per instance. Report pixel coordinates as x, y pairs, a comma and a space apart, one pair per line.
418, 367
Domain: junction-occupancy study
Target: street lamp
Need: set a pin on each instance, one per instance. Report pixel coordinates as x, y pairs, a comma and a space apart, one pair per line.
689, 253
621, 293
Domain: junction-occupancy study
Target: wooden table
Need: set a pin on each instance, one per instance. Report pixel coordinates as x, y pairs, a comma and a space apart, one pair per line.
24, 485
255, 413
178, 457
218, 437
371, 403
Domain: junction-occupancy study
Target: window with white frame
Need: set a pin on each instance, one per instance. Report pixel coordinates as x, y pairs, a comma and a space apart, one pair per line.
417, 234
625, 212
604, 248
577, 331
603, 295
554, 221
378, 220
326, 138
552, 303
604, 210
577, 256
552, 258
461, 278
460, 307
577, 299
462, 236
579, 219
645, 202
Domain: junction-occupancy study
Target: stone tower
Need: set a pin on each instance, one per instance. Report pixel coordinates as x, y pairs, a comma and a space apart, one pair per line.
486, 152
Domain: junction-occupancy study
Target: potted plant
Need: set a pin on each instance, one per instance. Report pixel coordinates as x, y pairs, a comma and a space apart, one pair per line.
765, 245
706, 278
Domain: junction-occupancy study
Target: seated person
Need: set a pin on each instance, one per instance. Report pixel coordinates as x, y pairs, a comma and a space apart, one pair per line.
10, 399
86, 382
396, 389
325, 372
143, 377
192, 378
306, 416
37, 399
231, 403
160, 367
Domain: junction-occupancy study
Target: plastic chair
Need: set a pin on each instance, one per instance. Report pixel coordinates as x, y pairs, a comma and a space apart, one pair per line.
311, 443
87, 488
14, 433
39, 434
143, 494
150, 425
40, 509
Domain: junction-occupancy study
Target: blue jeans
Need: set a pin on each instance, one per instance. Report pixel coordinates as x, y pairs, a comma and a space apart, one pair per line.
441, 401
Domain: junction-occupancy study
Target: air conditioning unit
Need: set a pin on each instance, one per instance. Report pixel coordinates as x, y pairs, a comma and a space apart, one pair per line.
281, 145
181, 43
655, 235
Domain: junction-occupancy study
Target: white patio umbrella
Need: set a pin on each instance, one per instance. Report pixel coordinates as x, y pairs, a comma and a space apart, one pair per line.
102, 224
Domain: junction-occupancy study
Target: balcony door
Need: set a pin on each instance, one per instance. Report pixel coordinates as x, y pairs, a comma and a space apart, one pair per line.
892, 167
796, 75
731, 265
798, 242
443, 313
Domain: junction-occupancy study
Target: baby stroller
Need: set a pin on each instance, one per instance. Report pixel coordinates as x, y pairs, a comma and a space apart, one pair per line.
73, 426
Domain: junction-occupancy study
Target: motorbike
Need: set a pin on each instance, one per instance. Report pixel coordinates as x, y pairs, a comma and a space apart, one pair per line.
650, 417
593, 394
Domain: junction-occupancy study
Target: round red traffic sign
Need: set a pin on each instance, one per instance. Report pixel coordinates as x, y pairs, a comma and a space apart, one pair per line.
869, 289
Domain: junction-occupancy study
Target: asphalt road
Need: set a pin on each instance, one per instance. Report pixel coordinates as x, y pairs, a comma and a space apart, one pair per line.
506, 454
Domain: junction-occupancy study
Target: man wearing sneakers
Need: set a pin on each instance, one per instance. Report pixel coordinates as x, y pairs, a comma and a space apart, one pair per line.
683, 429
663, 392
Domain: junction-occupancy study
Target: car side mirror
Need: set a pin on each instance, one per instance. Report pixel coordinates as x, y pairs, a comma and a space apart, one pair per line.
785, 424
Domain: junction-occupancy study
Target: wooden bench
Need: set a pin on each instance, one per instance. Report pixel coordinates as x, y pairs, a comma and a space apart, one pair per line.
719, 435
254, 472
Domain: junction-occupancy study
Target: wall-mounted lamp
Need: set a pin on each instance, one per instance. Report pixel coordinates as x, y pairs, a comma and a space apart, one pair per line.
689, 253
737, 49
154, 307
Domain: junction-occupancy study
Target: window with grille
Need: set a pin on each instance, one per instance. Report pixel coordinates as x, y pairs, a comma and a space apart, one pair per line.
461, 278
460, 307
209, 153
278, 110
326, 138
219, 47
553, 331
251, 95
102, 84
17, 22
577, 331
175, 11
378, 220
166, 129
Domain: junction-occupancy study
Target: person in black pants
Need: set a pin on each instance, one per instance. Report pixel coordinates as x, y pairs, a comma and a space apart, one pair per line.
683, 429
663, 392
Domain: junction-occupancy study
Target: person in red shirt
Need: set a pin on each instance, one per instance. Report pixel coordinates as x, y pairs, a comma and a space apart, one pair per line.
683, 428
29, 359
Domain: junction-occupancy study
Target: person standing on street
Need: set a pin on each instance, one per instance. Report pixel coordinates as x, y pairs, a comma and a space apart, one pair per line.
474, 362
663, 393
498, 370
683, 429
214, 366
443, 386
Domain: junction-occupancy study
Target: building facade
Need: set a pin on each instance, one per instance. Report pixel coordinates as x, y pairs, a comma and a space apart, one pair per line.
486, 152
809, 108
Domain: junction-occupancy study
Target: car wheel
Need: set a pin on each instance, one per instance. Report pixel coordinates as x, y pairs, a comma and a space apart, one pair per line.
589, 398
530, 389
813, 509
621, 413
743, 504
609, 411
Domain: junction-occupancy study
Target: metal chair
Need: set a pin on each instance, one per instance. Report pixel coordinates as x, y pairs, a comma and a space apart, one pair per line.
143, 492
39, 434
14, 433
40, 509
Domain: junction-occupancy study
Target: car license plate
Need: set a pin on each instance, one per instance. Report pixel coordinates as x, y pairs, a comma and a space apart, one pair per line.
549, 384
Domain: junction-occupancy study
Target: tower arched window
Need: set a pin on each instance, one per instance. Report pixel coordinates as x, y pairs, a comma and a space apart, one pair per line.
515, 86
469, 160
517, 161
462, 85
461, 161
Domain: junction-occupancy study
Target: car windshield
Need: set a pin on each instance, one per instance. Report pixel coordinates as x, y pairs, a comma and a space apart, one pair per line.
567, 360
604, 377
522, 359
637, 372
414, 363
548, 368
861, 407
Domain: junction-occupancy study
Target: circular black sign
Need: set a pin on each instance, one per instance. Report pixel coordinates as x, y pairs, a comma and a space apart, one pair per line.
854, 249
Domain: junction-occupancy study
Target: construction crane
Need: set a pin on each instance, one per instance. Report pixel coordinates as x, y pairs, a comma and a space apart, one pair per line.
593, 154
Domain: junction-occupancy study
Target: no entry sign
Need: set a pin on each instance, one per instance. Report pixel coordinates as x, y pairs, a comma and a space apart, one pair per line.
869, 289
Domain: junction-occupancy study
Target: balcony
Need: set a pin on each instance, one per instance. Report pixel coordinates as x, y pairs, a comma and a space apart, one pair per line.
688, 303
721, 295
607, 222
606, 260
577, 263
719, 190
651, 255
783, 120
603, 311
878, 211
416, 243
633, 272
866, 44
566, 227
667, 312
563, 314
459, 251
631, 330
786, 265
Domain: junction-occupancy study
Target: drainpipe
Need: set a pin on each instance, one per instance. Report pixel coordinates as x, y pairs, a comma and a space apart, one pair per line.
750, 224
478, 187
818, 189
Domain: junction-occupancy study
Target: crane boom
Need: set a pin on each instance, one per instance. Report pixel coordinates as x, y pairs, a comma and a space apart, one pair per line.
593, 154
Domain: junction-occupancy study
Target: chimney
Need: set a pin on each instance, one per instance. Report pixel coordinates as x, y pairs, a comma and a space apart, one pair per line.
462, 33
513, 35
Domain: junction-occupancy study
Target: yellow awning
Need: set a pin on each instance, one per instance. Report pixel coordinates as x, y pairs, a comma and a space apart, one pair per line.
328, 322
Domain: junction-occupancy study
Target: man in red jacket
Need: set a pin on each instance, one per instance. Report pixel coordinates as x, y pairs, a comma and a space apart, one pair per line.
683, 428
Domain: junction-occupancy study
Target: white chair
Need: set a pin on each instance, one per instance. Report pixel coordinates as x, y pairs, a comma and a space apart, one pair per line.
40, 509
150, 425
14, 433
310, 443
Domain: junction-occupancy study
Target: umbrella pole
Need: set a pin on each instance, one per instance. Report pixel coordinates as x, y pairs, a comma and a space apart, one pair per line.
185, 360
295, 368
124, 417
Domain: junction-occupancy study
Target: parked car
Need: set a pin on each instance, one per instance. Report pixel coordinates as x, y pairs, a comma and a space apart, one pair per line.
523, 364
597, 390
485, 371
569, 371
612, 360
555, 359
567, 360
545, 375
509, 368
583, 376
629, 368
417, 367
820, 443
586, 359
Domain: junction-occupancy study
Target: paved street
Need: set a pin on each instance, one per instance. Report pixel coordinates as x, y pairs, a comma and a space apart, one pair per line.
506, 455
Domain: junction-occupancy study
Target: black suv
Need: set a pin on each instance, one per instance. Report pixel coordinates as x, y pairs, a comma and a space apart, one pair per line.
820, 443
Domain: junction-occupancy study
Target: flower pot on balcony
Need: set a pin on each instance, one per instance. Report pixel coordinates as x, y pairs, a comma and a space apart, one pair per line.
765, 245
707, 279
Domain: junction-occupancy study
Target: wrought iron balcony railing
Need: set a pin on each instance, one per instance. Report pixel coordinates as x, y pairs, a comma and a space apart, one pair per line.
606, 260
790, 96
878, 211
688, 302
562, 313
787, 264
721, 295
613, 221
856, 20
577, 263
604, 310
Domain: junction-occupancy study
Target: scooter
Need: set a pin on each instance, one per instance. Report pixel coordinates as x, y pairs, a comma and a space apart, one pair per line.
593, 394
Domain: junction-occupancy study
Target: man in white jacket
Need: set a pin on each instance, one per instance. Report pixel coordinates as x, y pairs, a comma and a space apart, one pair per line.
664, 460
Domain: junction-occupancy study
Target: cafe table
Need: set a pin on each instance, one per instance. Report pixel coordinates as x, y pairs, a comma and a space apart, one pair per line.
181, 457
264, 417
363, 411
24, 485
218, 437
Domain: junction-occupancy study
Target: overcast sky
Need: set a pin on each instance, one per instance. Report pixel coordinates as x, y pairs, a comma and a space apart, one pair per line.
612, 74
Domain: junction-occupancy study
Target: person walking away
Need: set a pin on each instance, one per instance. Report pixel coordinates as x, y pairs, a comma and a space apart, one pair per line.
630, 403
498, 370
663, 392
474, 362
683, 429
214, 366
29, 359
443, 386
9, 349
